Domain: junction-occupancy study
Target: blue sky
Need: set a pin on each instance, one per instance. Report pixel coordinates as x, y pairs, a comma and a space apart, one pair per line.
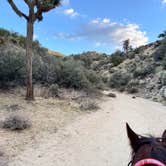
95, 25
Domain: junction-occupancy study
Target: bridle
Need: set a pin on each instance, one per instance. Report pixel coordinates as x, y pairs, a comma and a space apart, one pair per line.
148, 160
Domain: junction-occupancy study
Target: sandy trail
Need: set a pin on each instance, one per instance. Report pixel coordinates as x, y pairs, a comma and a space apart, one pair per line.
97, 139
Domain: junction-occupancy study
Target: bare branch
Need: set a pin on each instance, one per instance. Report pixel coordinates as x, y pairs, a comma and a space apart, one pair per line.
17, 11
27, 2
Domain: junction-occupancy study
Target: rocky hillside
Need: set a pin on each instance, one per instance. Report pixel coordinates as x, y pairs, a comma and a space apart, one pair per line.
143, 72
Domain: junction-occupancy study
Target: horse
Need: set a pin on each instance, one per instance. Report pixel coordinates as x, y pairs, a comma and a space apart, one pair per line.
147, 151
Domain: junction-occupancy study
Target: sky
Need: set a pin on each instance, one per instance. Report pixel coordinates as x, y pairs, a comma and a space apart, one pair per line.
95, 25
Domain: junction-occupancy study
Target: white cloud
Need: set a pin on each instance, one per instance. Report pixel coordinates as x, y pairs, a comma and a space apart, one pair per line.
164, 1
70, 12
66, 36
103, 32
106, 20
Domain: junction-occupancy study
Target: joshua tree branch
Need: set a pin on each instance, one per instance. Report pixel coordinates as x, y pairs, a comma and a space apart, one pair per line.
17, 11
27, 2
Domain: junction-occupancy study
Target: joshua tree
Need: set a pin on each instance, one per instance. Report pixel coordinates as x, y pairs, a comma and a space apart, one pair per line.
36, 10
126, 46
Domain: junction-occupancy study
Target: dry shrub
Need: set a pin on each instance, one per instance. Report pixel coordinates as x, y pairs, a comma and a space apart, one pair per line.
89, 105
16, 122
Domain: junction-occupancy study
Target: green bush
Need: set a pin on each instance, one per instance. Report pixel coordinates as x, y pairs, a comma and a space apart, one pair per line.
12, 68
119, 80
46, 70
143, 72
73, 75
117, 58
4, 32
54, 89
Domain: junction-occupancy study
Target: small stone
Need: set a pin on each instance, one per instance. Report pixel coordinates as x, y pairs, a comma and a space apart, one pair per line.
111, 95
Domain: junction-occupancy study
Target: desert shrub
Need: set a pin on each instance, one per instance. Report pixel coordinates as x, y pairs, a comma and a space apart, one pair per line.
119, 80
16, 122
46, 70
163, 78
132, 87
117, 58
12, 68
21, 40
160, 53
132, 90
164, 63
143, 72
94, 78
4, 32
54, 89
89, 105
89, 57
131, 55
73, 75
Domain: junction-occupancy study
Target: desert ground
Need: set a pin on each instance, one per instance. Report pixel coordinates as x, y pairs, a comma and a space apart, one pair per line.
72, 138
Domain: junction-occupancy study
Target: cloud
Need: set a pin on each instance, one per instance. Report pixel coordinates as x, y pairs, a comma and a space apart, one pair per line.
66, 36
164, 1
103, 32
70, 12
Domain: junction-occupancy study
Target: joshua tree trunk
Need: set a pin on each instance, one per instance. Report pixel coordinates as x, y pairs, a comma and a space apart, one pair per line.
36, 9
29, 40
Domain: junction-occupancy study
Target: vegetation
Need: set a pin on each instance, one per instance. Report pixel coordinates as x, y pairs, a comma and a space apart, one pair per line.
143, 72
12, 68
48, 70
163, 78
89, 105
117, 58
54, 89
16, 122
119, 80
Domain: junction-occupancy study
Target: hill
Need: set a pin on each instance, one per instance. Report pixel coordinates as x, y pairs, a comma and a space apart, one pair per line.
48, 69
55, 53
141, 72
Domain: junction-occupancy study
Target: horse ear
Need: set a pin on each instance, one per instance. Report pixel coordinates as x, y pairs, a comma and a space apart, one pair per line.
133, 137
164, 138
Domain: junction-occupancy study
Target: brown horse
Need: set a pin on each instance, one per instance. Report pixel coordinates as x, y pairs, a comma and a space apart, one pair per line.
147, 151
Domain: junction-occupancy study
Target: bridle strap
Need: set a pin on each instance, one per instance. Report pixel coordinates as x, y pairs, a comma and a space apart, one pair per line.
149, 161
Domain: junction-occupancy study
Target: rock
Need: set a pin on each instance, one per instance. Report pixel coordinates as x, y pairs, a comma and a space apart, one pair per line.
111, 95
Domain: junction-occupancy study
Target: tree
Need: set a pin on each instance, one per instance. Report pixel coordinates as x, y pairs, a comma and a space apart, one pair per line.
126, 46
162, 35
36, 10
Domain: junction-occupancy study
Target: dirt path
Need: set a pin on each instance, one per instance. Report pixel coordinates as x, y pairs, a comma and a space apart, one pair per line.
97, 139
